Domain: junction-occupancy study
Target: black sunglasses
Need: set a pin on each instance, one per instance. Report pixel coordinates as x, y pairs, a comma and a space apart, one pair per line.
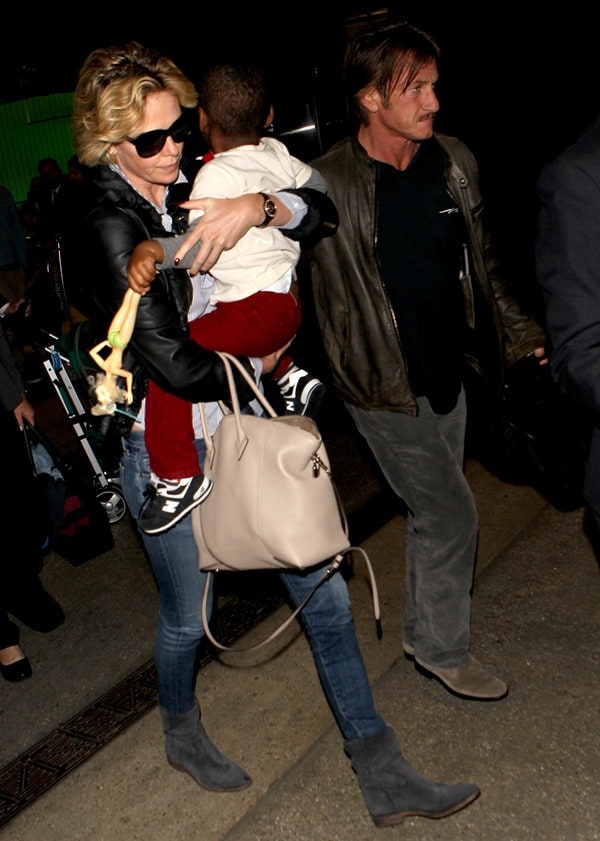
150, 143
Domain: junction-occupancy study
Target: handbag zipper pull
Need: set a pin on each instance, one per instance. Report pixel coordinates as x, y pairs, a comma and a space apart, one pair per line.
317, 464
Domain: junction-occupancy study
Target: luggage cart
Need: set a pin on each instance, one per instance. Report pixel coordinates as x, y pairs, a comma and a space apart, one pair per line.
107, 487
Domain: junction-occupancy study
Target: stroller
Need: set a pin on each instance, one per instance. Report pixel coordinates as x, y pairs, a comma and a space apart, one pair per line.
70, 371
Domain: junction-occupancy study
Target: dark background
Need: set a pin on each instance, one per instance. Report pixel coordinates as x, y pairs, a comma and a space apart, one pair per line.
516, 91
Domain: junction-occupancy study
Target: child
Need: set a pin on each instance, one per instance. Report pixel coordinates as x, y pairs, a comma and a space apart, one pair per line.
254, 309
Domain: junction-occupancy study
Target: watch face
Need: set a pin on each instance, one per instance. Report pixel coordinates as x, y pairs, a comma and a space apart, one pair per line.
269, 208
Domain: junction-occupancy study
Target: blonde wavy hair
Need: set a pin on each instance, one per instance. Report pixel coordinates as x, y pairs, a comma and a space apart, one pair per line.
111, 93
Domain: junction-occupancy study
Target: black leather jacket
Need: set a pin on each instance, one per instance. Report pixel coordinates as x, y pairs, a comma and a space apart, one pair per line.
359, 330
161, 348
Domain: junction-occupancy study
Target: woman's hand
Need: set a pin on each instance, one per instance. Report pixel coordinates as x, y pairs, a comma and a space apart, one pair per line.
222, 224
14, 306
24, 412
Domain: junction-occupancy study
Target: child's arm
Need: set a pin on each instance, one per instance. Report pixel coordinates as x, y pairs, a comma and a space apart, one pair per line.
152, 255
142, 269
170, 247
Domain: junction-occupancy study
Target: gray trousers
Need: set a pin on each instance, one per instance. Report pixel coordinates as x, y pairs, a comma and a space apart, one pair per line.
422, 459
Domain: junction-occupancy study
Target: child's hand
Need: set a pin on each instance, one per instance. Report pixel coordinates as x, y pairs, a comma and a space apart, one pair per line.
142, 270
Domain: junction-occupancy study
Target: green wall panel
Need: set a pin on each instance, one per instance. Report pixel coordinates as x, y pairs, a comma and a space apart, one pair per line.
31, 129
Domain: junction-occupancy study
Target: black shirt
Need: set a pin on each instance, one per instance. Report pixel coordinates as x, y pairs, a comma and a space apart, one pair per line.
420, 236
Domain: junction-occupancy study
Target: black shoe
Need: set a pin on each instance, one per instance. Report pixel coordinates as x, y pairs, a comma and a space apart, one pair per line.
16, 672
302, 393
170, 500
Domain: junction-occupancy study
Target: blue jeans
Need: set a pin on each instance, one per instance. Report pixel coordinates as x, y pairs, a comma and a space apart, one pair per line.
327, 619
422, 459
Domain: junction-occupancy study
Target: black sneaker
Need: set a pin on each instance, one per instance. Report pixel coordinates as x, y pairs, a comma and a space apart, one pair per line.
170, 500
302, 393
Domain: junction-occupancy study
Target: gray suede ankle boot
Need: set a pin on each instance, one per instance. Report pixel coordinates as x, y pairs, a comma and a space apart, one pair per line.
393, 791
189, 749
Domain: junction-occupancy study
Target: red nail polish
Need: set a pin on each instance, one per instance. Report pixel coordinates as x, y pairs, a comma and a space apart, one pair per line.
176, 261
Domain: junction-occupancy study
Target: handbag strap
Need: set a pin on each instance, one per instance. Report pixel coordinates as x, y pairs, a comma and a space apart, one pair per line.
332, 567
228, 361
26, 432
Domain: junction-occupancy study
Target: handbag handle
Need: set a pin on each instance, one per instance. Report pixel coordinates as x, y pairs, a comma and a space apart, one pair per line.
331, 568
228, 360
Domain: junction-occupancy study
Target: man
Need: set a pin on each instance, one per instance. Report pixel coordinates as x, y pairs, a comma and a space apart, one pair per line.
567, 253
404, 291
55, 187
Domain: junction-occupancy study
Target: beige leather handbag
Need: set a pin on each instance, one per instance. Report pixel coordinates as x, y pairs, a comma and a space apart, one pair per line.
273, 504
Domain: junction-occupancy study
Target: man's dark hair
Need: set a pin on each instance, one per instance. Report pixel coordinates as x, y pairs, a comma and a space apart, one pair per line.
380, 57
236, 98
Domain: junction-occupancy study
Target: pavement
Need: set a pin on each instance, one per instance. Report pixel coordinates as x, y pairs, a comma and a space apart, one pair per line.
535, 754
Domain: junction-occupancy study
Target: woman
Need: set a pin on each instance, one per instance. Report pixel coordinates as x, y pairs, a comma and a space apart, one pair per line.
130, 124
22, 593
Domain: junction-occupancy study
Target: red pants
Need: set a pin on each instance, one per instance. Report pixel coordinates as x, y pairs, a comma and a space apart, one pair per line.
255, 326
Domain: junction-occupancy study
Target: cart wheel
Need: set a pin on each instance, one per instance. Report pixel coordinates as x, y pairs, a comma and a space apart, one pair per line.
112, 500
